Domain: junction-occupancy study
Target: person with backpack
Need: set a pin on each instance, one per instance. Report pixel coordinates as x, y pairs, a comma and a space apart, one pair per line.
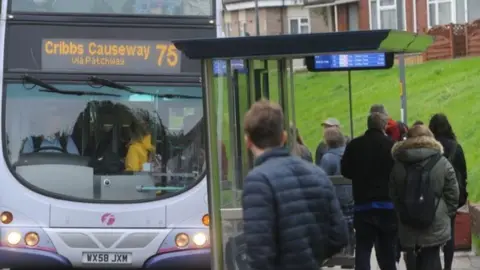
367, 161
425, 192
291, 214
453, 151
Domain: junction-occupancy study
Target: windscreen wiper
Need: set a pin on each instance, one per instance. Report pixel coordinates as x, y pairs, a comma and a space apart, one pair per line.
112, 84
174, 96
52, 89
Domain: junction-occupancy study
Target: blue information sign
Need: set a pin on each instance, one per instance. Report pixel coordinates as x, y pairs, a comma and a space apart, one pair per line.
220, 66
350, 61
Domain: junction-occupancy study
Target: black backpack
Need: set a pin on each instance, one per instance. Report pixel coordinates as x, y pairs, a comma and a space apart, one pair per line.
418, 206
37, 143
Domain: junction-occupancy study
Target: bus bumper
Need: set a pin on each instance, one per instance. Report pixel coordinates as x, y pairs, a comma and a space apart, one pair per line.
186, 259
23, 258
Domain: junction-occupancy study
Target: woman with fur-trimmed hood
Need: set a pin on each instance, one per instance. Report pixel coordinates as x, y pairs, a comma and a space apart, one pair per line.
419, 147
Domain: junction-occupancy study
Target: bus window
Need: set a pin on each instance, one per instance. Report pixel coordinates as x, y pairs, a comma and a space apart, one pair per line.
121, 7
95, 134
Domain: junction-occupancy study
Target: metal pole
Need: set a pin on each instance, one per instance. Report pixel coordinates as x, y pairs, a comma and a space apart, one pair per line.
350, 102
210, 103
257, 18
403, 88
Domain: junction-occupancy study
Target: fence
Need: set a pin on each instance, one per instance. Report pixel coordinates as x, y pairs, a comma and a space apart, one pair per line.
453, 41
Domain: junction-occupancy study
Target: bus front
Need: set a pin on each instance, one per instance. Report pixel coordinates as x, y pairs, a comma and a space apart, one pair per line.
102, 135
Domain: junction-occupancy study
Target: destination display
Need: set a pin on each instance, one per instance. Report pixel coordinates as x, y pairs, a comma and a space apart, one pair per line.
110, 56
349, 61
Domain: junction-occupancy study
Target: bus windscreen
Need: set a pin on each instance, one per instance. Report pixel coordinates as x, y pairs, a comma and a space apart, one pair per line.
349, 61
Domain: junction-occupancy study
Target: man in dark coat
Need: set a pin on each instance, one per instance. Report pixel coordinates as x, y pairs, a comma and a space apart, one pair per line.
367, 161
292, 217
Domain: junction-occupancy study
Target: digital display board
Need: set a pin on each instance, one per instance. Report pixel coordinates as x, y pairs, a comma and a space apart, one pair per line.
220, 66
110, 56
349, 61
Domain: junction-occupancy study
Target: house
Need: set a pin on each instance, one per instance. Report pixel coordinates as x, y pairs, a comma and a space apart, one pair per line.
310, 16
275, 17
409, 15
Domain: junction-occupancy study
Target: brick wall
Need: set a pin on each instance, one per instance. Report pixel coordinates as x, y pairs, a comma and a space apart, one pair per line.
342, 17
422, 16
319, 20
363, 15
274, 21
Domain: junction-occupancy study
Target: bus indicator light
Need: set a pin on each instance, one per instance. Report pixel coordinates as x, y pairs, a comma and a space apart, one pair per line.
206, 220
6, 217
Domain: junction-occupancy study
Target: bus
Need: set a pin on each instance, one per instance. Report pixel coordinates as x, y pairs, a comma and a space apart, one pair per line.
102, 135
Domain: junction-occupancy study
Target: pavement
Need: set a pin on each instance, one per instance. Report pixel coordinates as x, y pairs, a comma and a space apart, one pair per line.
462, 261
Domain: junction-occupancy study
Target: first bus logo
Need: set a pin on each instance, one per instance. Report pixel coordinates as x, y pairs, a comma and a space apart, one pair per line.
108, 219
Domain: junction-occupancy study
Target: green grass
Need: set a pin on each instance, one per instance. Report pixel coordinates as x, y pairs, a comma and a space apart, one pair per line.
476, 243
451, 87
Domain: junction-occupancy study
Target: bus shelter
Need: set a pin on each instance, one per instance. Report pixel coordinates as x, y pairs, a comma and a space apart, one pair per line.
236, 72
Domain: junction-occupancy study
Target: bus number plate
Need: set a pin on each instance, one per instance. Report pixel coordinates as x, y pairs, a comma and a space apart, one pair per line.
106, 258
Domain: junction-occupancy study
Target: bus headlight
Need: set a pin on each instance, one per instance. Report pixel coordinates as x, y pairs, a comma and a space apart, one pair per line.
13, 238
200, 239
181, 240
31, 239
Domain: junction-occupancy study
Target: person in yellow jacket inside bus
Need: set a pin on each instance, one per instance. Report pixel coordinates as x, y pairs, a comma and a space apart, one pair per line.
139, 153
140, 148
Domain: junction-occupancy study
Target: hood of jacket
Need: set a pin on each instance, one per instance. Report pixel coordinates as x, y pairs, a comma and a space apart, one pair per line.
337, 151
416, 149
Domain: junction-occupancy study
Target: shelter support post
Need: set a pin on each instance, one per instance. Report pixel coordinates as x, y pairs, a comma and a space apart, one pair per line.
292, 99
214, 159
283, 96
350, 103
403, 88
235, 146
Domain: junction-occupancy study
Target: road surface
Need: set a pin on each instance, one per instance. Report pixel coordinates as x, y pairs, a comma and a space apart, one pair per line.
462, 261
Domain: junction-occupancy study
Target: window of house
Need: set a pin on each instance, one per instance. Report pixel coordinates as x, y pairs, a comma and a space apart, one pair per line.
243, 29
473, 10
227, 29
387, 14
299, 26
353, 17
442, 12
